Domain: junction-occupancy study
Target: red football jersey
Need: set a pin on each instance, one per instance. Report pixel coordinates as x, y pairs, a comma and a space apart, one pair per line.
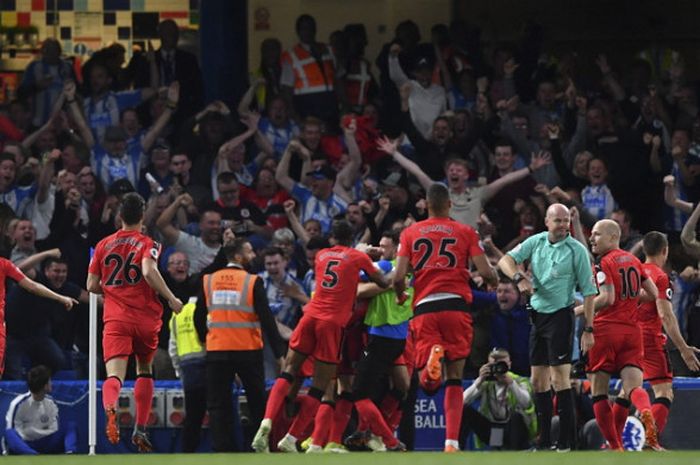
7, 270
337, 274
647, 313
439, 250
624, 271
117, 261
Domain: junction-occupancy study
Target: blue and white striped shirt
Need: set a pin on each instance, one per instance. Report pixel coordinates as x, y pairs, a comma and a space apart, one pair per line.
105, 112
110, 168
314, 208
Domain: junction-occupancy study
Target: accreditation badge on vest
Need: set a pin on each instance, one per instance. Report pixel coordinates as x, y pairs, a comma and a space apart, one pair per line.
226, 297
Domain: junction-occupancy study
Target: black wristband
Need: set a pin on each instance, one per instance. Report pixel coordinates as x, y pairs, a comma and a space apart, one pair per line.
588, 329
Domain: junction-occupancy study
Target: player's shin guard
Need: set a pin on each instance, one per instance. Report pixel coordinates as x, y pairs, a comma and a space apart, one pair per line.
660, 409
453, 408
543, 406
341, 417
606, 424
110, 392
322, 423
143, 396
640, 399
620, 410
309, 405
369, 411
277, 394
565, 407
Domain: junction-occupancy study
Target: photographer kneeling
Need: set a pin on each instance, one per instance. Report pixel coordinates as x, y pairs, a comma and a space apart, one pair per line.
506, 417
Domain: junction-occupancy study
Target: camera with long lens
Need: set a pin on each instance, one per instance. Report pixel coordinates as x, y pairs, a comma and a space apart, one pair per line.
497, 369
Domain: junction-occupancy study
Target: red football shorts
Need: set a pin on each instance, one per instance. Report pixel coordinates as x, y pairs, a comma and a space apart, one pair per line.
318, 338
122, 339
451, 329
656, 365
408, 356
615, 347
354, 342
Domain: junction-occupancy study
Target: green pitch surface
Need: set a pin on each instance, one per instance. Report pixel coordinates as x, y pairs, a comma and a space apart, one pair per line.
409, 458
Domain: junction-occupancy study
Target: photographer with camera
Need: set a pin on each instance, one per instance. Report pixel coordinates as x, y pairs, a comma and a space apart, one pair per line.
506, 417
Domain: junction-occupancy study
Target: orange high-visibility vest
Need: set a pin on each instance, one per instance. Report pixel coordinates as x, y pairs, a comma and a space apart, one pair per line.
231, 321
309, 77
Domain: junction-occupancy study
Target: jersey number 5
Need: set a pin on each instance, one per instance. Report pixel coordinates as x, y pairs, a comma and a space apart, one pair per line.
330, 277
131, 272
426, 245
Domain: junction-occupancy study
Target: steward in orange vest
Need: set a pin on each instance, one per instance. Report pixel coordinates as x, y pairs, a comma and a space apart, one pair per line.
308, 75
232, 314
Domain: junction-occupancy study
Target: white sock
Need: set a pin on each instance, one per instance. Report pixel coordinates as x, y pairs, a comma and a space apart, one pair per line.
289, 437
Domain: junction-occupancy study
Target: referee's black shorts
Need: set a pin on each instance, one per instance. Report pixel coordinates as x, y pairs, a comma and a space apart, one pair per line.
552, 337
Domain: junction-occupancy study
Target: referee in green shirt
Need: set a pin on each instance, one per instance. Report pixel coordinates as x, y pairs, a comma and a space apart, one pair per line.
559, 264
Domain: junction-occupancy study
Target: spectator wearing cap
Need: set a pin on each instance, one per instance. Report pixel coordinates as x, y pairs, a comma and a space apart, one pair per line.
426, 101
159, 169
318, 201
114, 158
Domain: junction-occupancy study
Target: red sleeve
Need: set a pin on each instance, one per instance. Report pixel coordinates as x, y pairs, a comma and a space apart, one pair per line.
475, 248
151, 250
11, 271
606, 275
96, 262
366, 264
404, 244
664, 286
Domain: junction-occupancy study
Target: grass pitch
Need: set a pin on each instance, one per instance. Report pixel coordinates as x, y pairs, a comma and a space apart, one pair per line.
410, 458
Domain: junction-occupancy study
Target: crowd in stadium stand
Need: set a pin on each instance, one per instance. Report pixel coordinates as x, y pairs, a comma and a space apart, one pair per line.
324, 132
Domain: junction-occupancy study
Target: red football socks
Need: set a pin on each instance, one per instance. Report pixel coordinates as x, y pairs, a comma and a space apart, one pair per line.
143, 396
367, 409
307, 411
453, 410
322, 423
605, 420
276, 399
620, 411
341, 417
388, 406
640, 399
110, 392
660, 409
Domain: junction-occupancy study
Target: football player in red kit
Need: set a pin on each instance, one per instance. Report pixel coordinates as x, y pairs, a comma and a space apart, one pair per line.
615, 343
319, 333
124, 268
438, 250
652, 317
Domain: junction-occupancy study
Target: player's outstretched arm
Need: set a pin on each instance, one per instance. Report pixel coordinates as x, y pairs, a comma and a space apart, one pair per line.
485, 270
668, 318
43, 291
149, 268
400, 271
